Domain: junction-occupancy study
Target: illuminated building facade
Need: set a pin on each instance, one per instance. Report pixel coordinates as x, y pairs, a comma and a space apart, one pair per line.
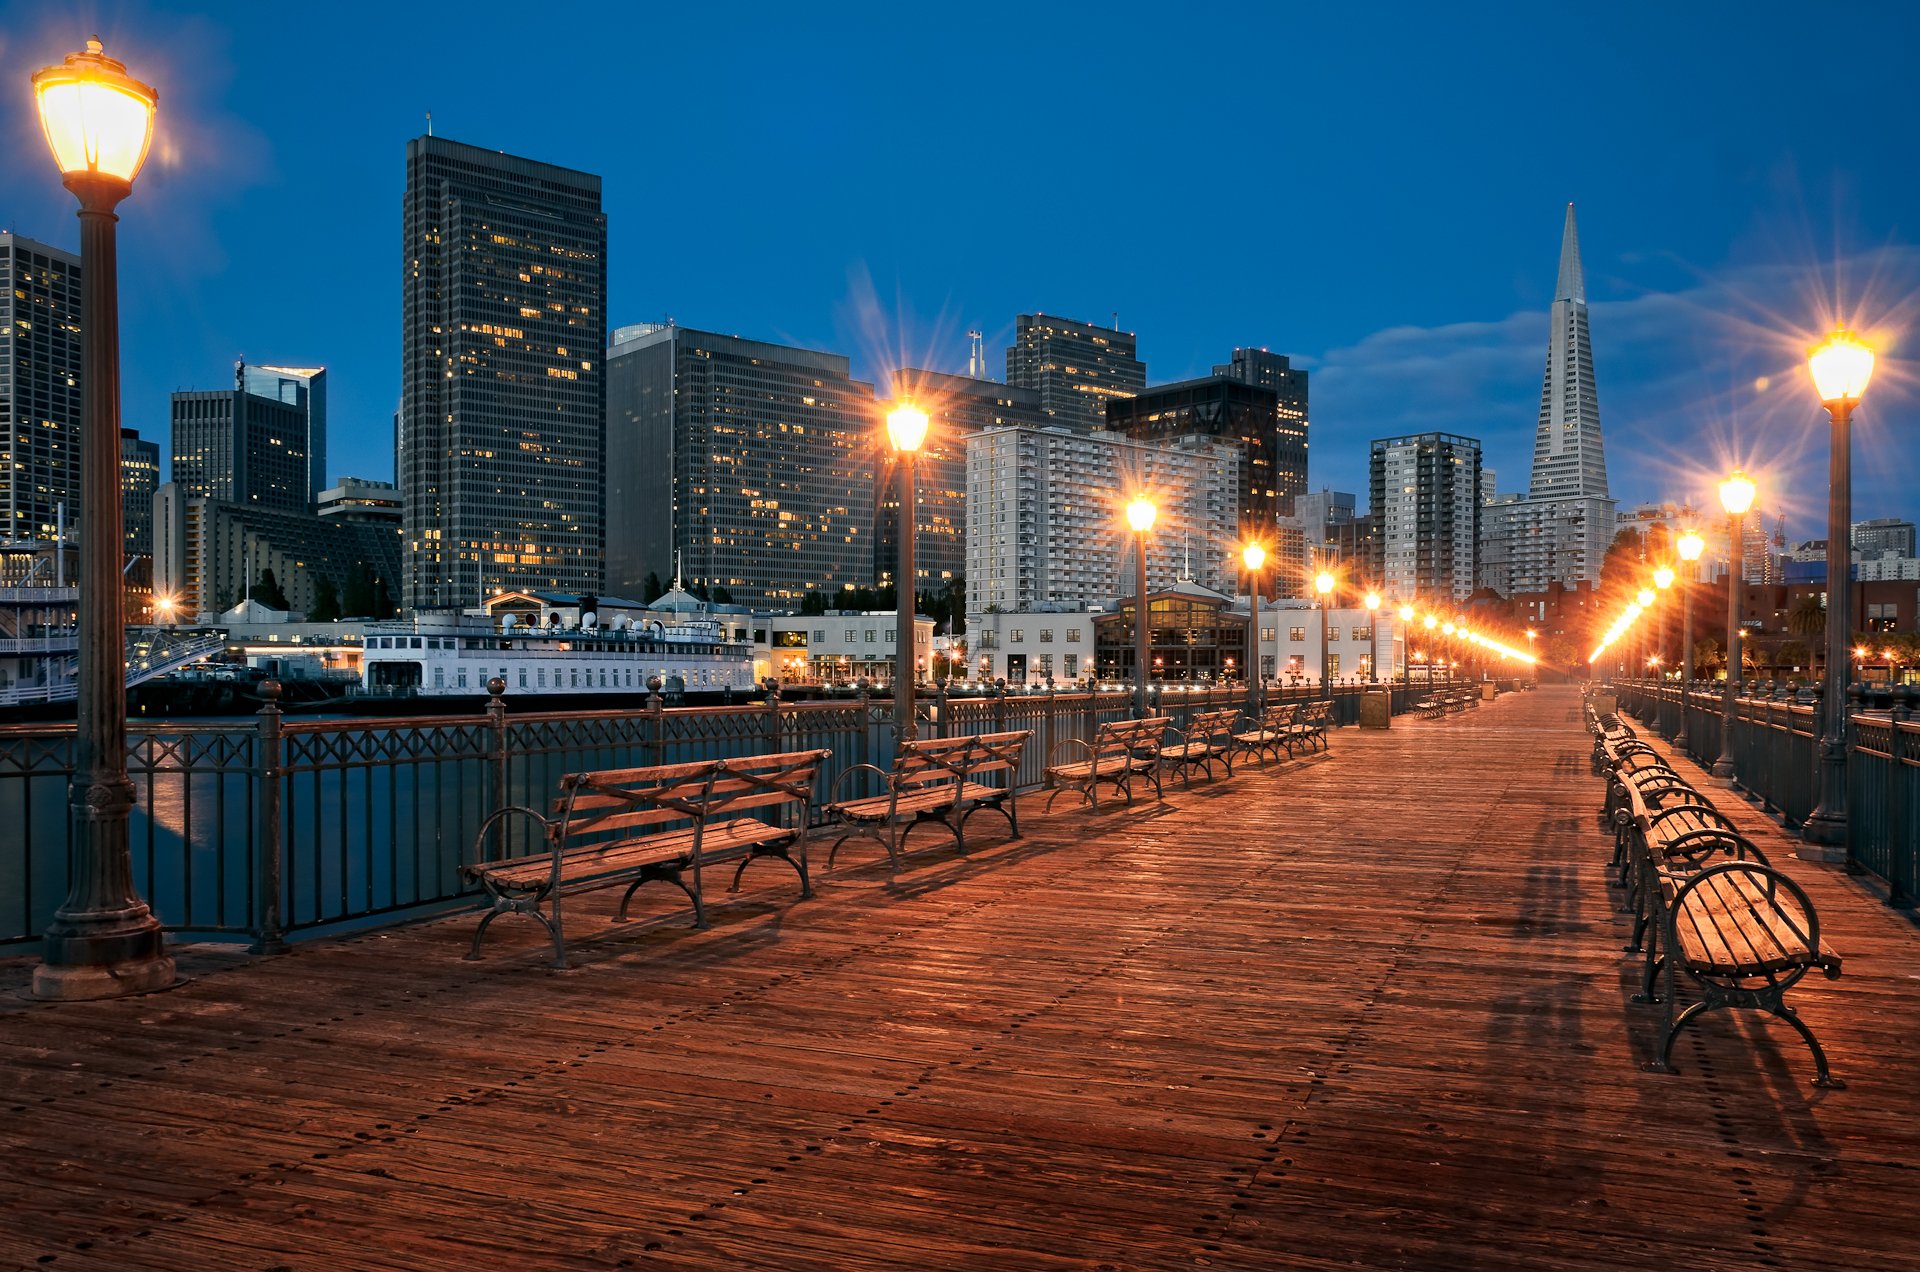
1425, 492
241, 447
1075, 367
503, 383
39, 389
753, 462
1221, 408
957, 408
1044, 522
304, 388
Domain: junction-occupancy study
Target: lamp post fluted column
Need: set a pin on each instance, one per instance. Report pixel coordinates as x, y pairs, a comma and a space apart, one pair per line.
906, 430
1736, 567
104, 941
1140, 516
1841, 367
1253, 556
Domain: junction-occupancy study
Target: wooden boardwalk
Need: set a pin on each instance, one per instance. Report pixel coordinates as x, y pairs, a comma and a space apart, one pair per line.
1368, 1009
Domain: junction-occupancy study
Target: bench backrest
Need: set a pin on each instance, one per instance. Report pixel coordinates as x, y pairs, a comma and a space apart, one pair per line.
927, 762
1317, 713
615, 805
1119, 739
996, 758
778, 788
1213, 727
1281, 716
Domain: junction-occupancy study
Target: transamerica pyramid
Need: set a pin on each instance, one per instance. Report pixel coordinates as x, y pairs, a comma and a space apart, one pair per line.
1568, 458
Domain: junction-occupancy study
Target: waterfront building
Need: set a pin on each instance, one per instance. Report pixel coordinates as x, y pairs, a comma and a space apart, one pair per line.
1426, 495
1884, 536
1077, 368
957, 408
503, 383
1273, 450
208, 554
1045, 525
745, 465
1031, 647
840, 647
237, 446
40, 325
361, 499
1361, 644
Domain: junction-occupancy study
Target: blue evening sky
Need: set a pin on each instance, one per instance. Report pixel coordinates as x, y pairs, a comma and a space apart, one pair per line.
1375, 189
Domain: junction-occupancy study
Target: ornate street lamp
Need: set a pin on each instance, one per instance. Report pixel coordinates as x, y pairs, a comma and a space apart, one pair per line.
1140, 517
1373, 634
104, 941
1323, 584
1841, 367
1253, 556
906, 429
1690, 546
1736, 496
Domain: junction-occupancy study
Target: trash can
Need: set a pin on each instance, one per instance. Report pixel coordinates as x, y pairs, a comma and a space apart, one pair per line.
1376, 709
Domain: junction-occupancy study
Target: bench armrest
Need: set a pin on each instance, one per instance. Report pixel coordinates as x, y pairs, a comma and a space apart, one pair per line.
548, 828
886, 780
1053, 756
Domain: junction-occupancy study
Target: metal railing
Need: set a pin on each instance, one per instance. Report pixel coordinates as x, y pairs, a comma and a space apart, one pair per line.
281, 827
1776, 757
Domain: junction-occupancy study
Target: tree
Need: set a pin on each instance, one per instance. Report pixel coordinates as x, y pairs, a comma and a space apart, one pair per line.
813, 603
383, 606
721, 596
1808, 620
326, 601
358, 600
1708, 656
1792, 653
269, 593
652, 589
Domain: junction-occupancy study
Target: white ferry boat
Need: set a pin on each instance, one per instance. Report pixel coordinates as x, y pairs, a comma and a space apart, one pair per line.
554, 653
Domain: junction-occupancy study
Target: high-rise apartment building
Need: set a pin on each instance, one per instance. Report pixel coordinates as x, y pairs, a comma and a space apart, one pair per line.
1883, 536
1075, 367
1226, 409
139, 478
1560, 531
1318, 528
503, 382
752, 462
1425, 491
1045, 522
39, 389
243, 447
957, 407
306, 389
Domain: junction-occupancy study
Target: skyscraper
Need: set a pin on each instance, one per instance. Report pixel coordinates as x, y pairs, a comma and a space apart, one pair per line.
1273, 449
503, 389
1075, 367
753, 462
1425, 491
39, 389
306, 389
238, 446
139, 478
1560, 531
1289, 383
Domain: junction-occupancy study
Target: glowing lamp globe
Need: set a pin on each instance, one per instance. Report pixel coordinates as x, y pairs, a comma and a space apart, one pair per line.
1663, 578
1691, 546
1645, 598
97, 118
1841, 367
1736, 493
1432, 622
1323, 582
1373, 600
906, 427
1140, 514
1406, 613
1447, 629
1253, 556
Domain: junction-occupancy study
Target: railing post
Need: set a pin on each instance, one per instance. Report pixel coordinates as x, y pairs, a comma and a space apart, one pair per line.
271, 936
497, 758
942, 728
656, 723
1047, 733
1000, 705
773, 715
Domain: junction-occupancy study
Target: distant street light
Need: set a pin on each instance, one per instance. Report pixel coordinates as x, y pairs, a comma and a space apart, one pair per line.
1373, 632
1690, 546
1140, 516
1323, 584
1253, 556
906, 429
1736, 496
1841, 367
104, 941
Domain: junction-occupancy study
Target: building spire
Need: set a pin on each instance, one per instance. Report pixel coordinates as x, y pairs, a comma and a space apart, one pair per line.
1573, 282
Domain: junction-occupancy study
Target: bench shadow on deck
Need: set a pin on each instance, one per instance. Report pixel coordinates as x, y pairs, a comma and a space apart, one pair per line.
1369, 1006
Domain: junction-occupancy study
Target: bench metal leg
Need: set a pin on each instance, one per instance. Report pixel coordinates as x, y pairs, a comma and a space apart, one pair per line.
778, 853
665, 874
1823, 1077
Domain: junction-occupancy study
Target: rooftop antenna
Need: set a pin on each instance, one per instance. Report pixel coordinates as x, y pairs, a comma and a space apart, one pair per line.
1116, 319
976, 356
676, 569
429, 123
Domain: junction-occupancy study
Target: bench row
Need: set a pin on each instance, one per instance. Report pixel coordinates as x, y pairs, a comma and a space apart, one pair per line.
1704, 897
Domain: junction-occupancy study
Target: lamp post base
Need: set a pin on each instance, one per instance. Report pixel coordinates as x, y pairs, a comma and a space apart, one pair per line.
1827, 834
103, 956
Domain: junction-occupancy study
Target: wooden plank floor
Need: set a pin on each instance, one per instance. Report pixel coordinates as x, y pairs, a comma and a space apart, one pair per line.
1365, 1009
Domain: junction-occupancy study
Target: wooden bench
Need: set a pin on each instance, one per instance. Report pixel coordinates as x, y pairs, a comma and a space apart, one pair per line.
1273, 733
993, 776
1310, 730
1207, 737
1120, 750
636, 825
924, 786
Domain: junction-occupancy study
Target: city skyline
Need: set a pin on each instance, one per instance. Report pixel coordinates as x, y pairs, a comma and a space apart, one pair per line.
1412, 317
